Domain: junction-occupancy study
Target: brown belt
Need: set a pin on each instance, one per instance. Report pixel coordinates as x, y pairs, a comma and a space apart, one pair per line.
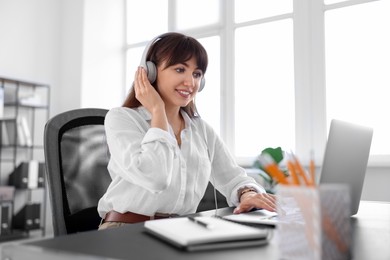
130, 217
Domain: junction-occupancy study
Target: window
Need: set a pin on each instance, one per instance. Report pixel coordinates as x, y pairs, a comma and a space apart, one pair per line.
264, 87
279, 70
211, 93
196, 14
252, 10
357, 65
145, 22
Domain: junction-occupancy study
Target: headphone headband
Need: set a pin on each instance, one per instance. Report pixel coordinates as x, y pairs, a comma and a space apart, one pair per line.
150, 67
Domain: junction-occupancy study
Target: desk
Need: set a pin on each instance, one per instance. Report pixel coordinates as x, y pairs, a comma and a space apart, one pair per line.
371, 237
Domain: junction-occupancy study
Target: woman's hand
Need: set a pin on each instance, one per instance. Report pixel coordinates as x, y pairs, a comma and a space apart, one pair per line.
146, 94
251, 200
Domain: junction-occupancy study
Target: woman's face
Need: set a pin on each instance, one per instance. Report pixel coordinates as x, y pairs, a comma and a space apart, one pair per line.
179, 83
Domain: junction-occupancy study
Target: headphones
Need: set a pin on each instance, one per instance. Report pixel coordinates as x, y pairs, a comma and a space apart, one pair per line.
150, 67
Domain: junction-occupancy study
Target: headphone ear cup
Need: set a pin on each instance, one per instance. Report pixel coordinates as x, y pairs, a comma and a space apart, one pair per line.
202, 83
151, 71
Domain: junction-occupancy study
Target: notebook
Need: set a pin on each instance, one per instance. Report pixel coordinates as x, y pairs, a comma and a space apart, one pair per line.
345, 162
210, 233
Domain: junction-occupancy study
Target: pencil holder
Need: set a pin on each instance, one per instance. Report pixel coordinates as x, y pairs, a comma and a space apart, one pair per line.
314, 222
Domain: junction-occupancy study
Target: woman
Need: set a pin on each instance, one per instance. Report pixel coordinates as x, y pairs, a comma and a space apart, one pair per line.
162, 153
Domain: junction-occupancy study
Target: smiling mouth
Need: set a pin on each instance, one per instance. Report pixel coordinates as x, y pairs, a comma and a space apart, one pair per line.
184, 93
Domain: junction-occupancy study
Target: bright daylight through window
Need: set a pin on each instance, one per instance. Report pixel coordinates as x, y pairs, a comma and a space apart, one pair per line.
259, 67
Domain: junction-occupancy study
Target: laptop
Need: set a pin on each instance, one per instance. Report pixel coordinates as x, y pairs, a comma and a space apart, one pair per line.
346, 157
345, 162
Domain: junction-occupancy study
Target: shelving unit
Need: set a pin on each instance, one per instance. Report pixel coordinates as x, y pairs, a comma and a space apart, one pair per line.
24, 110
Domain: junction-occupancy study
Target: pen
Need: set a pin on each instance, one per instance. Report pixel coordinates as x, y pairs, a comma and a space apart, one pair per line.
199, 222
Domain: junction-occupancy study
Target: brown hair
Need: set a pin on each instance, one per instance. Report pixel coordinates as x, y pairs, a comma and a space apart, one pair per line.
173, 48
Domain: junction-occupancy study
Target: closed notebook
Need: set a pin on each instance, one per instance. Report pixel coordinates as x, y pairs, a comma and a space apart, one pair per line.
219, 233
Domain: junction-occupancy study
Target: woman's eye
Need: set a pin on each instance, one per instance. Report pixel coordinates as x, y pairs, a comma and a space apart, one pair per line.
197, 74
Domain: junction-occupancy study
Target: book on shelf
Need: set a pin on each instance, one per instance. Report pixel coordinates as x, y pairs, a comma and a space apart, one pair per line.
17, 130
204, 233
28, 175
5, 218
29, 217
10, 132
4, 134
33, 100
1, 102
25, 130
20, 134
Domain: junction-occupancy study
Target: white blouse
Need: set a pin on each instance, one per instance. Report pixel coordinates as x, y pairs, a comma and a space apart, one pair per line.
151, 174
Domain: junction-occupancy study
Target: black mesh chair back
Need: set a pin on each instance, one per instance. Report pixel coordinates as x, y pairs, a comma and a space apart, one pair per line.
76, 157
212, 199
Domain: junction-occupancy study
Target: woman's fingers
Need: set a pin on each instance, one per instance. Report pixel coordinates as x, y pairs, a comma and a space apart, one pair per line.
266, 201
140, 85
145, 93
260, 200
144, 78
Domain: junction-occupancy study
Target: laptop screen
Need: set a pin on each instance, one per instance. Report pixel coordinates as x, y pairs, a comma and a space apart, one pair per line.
346, 157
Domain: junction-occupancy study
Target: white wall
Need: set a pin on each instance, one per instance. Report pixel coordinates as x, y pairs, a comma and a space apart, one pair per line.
103, 60
75, 46
67, 95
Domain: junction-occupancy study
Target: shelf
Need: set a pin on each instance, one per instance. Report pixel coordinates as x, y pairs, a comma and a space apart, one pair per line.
6, 119
16, 234
22, 82
10, 160
11, 146
25, 105
20, 105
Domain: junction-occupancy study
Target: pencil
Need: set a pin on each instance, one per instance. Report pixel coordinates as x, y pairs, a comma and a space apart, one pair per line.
301, 171
312, 169
293, 173
272, 168
276, 174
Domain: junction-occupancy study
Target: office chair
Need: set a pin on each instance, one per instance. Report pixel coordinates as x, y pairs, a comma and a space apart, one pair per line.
208, 200
76, 157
